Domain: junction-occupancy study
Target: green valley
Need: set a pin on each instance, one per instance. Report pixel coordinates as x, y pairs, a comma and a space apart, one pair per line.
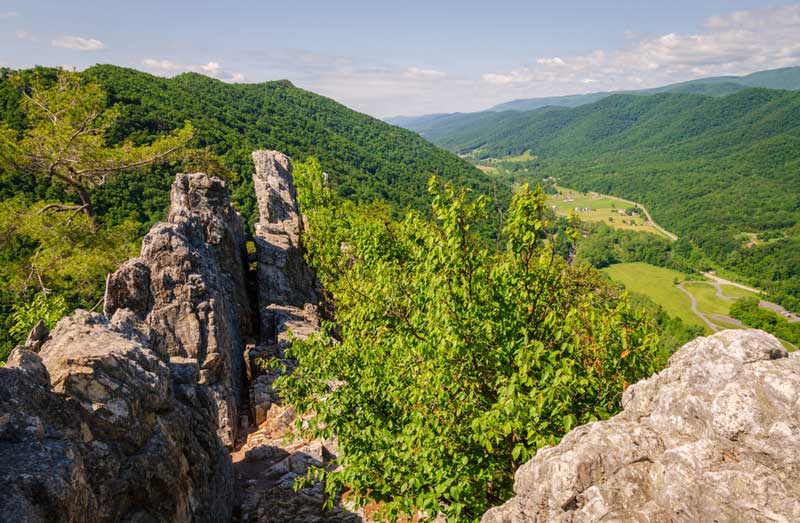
721, 172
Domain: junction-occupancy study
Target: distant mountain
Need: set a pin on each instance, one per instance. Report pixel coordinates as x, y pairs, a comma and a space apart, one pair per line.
786, 78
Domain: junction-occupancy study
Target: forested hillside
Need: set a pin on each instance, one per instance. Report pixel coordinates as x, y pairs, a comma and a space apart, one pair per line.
53, 262
714, 170
366, 158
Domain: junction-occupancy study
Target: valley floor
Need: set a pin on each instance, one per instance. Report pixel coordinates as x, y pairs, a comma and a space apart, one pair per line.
596, 207
697, 302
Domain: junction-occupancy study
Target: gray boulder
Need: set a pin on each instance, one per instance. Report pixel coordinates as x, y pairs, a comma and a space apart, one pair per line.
713, 437
92, 429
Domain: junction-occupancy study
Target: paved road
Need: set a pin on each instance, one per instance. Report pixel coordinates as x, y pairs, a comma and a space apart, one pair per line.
790, 316
711, 325
712, 276
656, 226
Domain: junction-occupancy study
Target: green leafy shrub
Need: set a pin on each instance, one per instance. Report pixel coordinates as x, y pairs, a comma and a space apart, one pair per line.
48, 308
452, 362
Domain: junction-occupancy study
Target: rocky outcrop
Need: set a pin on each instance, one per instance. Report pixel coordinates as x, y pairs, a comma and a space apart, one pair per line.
93, 428
711, 438
285, 283
125, 417
274, 455
188, 289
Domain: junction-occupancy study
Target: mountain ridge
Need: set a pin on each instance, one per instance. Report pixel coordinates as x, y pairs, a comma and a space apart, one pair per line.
787, 78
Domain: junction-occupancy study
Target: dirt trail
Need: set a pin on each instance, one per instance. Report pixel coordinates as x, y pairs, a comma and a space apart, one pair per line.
650, 219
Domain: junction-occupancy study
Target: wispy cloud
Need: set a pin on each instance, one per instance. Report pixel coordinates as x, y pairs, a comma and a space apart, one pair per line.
416, 72
210, 68
25, 35
737, 43
78, 43
8, 14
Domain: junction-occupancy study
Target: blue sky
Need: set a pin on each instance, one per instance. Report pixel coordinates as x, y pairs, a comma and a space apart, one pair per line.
412, 57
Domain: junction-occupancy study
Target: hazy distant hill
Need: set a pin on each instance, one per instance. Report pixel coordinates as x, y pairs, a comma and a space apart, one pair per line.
785, 78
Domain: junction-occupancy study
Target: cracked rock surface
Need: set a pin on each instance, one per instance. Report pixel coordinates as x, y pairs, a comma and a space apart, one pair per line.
713, 437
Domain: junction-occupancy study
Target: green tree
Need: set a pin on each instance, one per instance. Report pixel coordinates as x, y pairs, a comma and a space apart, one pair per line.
66, 138
451, 361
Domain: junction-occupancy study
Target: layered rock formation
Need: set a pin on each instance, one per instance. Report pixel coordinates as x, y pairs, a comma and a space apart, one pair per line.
273, 455
287, 290
188, 289
93, 428
126, 416
714, 437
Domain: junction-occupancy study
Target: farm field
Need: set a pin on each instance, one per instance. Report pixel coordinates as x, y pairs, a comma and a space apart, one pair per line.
657, 284
595, 207
695, 302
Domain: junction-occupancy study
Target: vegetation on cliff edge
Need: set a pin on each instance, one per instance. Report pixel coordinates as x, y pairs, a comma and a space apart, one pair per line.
452, 360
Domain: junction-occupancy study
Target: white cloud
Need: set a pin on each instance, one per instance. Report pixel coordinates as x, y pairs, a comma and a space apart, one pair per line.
733, 44
213, 69
416, 72
79, 43
25, 35
8, 14
550, 61
737, 43
512, 77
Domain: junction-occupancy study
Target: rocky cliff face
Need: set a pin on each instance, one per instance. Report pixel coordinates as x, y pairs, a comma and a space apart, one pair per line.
125, 417
273, 455
188, 290
711, 438
96, 428
285, 283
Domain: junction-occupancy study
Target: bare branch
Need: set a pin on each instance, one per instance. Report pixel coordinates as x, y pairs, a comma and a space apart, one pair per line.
58, 207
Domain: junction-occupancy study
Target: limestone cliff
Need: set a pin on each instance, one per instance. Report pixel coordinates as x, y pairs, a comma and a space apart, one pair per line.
711, 438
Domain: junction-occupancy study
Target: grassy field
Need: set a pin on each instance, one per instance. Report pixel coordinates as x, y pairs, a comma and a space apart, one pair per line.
656, 283
601, 208
659, 285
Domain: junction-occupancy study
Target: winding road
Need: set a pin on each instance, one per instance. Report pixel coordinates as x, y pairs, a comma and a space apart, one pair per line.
711, 325
790, 316
656, 226
717, 282
650, 220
